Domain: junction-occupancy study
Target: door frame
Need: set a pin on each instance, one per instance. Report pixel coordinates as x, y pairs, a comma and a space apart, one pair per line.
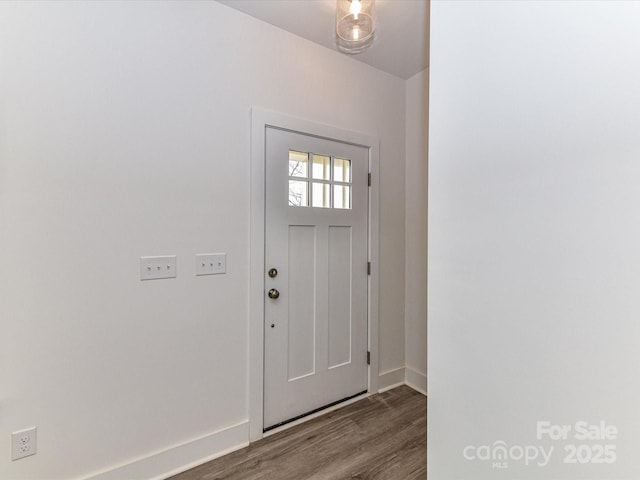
260, 120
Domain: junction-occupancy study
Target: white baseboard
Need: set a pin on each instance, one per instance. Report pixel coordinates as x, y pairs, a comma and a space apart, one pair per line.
172, 461
416, 380
391, 379
402, 376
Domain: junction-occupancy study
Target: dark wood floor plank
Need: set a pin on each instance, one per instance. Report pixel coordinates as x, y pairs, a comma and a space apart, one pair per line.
382, 437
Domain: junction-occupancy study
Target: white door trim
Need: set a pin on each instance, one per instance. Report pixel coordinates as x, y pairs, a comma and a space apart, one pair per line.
260, 119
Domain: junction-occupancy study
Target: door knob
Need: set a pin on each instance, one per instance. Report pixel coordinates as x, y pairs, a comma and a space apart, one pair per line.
273, 293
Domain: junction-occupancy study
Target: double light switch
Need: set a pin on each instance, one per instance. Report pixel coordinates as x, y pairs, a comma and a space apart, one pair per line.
153, 268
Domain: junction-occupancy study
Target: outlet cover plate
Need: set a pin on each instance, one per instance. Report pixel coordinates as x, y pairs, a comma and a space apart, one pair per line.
153, 268
211, 263
24, 443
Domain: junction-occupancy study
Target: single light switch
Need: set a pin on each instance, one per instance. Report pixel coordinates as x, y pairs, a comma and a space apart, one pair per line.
211, 263
153, 268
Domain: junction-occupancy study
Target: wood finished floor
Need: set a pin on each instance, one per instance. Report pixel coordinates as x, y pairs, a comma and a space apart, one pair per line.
382, 437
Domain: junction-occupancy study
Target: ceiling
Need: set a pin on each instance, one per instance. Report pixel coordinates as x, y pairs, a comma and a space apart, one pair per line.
401, 43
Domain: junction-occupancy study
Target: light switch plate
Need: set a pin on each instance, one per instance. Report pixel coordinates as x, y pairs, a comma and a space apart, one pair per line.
211, 263
153, 268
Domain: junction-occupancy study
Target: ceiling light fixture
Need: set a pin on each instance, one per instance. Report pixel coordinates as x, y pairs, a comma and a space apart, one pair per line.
355, 25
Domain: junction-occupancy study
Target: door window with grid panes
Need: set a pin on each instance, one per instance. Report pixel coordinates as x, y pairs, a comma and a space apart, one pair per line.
319, 181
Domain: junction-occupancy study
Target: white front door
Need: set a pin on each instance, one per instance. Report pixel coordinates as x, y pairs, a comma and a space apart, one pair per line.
315, 274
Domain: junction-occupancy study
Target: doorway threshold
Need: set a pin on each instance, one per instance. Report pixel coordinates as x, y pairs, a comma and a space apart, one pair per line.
320, 410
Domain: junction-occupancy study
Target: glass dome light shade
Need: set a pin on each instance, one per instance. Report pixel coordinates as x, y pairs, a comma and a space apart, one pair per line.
355, 25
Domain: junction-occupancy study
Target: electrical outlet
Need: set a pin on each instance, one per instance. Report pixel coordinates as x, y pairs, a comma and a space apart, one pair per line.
23, 443
211, 263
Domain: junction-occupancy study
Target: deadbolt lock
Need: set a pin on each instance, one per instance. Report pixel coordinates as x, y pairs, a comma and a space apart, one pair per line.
273, 273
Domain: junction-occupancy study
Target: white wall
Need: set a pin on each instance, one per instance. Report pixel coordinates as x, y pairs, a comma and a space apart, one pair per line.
124, 131
534, 265
416, 230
